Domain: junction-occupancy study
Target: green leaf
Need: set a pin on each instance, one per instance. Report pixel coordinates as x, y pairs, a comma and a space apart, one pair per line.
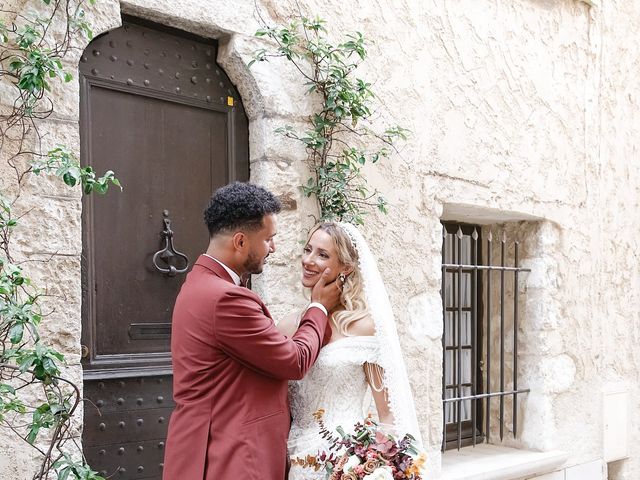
4, 389
16, 65
16, 332
33, 434
69, 179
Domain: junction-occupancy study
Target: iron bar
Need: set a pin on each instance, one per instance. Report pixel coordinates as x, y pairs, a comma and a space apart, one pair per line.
474, 317
488, 335
459, 341
444, 339
502, 259
488, 395
515, 341
453, 385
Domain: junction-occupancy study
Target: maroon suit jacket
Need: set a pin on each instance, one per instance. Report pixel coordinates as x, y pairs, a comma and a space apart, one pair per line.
230, 372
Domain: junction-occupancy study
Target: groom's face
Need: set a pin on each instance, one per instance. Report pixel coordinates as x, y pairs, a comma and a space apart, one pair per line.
260, 245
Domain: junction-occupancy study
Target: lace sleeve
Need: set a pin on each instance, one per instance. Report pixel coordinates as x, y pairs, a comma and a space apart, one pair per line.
375, 376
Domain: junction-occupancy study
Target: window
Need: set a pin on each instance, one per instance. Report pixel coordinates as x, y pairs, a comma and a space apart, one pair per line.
480, 307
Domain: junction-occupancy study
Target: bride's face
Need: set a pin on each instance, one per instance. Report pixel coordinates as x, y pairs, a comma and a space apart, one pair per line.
319, 253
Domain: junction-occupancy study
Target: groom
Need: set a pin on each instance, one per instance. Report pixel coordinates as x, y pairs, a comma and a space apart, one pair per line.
230, 363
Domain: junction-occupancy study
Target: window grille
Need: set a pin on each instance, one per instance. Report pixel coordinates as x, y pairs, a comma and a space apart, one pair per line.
468, 291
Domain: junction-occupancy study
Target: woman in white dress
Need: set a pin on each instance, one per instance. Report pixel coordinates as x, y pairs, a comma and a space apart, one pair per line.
362, 356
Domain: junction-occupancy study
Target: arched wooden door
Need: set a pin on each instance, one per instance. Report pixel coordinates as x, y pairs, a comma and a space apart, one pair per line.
159, 111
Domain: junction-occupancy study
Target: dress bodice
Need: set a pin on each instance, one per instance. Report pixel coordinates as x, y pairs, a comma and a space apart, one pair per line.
338, 385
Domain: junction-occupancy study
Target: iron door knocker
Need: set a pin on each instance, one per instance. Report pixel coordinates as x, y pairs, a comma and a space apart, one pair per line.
169, 251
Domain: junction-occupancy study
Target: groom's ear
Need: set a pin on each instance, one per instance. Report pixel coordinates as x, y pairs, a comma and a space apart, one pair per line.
239, 240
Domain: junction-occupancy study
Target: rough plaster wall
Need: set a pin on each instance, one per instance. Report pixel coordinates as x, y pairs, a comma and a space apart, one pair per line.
617, 206
525, 106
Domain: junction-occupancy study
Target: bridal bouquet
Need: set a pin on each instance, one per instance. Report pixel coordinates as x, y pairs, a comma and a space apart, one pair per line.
366, 454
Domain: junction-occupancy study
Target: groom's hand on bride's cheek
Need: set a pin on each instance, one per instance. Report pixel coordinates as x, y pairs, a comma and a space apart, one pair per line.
326, 291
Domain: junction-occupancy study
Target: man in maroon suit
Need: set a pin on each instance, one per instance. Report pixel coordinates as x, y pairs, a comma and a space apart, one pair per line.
230, 363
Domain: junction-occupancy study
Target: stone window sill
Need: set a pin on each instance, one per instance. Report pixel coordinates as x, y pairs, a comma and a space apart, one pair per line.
493, 462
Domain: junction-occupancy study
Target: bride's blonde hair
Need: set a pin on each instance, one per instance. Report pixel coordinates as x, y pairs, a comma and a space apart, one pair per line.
352, 297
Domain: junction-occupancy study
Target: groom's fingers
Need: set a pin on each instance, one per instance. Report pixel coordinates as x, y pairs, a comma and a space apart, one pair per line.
323, 280
319, 292
326, 291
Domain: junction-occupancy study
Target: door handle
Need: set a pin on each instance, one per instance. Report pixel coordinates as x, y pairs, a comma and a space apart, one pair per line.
169, 251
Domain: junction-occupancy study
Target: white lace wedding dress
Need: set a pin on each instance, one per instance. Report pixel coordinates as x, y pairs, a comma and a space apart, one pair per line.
336, 384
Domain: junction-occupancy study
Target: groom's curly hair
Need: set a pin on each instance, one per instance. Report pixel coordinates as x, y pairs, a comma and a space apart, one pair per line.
237, 206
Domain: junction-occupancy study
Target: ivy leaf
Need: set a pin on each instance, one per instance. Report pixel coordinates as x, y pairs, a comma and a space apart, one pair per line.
4, 389
33, 433
16, 333
16, 65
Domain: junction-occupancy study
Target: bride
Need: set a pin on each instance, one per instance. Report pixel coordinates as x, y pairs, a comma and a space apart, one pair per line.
362, 356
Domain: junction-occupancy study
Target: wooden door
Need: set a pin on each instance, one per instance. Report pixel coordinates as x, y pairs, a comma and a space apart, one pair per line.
159, 111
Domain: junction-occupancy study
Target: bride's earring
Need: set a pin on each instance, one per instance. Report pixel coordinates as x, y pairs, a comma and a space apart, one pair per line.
342, 277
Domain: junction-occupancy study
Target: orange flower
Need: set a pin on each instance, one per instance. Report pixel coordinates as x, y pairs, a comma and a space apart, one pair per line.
310, 461
416, 466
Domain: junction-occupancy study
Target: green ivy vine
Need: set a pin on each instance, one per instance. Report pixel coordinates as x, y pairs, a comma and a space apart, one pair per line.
37, 403
340, 140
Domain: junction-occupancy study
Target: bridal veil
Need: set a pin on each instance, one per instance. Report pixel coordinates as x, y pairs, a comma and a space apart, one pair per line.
391, 360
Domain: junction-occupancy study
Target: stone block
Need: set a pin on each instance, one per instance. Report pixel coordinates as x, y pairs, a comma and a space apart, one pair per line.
59, 219
277, 87
267, 145
58, 278
587, 471
425, 313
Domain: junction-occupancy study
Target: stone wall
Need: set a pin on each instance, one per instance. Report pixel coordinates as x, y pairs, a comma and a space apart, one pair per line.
521, 111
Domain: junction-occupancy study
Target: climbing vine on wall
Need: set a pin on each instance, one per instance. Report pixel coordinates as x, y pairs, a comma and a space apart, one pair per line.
340, 140
37, 403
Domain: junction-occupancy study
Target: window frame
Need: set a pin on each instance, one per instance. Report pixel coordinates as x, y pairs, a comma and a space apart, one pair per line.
451, 430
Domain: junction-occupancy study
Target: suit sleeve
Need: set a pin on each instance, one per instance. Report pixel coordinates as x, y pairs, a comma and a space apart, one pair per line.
246, 334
